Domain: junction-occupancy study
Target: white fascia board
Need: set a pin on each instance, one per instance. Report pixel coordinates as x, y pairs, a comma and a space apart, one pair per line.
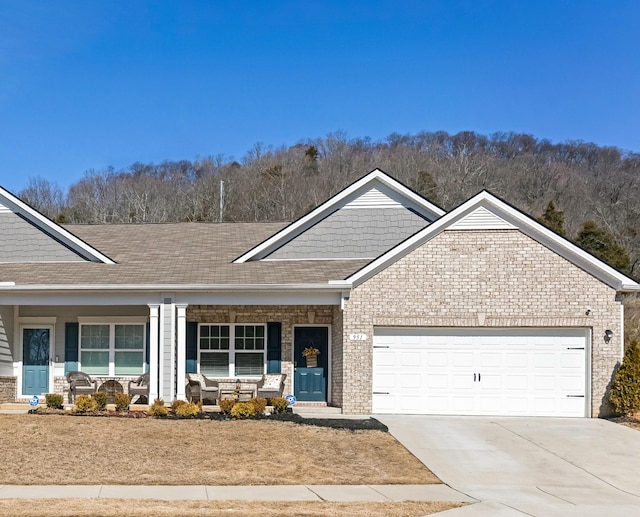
114, 297
521, 221
64, 235
325, 208
329, 286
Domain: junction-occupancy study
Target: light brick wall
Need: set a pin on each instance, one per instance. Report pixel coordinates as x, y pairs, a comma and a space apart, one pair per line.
288, 315
461, 277
8, 392
337, 358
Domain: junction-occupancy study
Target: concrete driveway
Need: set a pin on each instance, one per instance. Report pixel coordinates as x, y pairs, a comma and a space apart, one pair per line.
529, 466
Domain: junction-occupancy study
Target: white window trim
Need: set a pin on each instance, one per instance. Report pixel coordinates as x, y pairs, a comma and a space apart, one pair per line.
232, 347
112, 322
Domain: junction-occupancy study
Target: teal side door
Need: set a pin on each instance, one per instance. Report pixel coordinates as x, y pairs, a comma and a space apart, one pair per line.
310, 384
35, 360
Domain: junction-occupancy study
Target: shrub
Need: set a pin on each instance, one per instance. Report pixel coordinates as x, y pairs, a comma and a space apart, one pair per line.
158, 409
176, 404
53, 400
279, 404
101, 400
243, 410
85, 404
226, 405
188, 410
122, 401
259, 404
625, 392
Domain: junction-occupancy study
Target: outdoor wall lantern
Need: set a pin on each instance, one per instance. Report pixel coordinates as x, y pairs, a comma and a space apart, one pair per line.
608, 334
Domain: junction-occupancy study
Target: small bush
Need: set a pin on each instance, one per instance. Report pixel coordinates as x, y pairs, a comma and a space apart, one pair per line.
176, 404
625, 391
188, 410
53, 400
243, 410
226, 405
101, 400
279, 404
122, 401
85, 404
259, 404
158, 409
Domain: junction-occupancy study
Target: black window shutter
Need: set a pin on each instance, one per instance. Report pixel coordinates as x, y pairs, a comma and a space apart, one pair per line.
71, 332
274, 347
192, 347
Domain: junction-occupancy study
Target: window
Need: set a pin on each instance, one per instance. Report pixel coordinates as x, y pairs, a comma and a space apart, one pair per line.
112, 349
232, 350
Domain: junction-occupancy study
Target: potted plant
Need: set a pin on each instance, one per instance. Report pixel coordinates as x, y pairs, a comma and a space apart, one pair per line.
311, 354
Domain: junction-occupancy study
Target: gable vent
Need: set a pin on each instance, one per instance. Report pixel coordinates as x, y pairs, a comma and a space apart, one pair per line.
482, 219
373, 198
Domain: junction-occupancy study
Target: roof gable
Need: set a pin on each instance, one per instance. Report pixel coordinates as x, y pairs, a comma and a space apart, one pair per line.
486, 211
28, 236
362, 221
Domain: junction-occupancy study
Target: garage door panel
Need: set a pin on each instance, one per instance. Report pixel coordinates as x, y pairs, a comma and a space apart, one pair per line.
440, 358
492, 382
516, 382
462, 359
516, 360
522, 371
462, 381
437, 381
410, 381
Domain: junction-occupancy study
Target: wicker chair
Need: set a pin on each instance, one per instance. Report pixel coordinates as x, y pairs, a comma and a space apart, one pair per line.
206, 388
140, 387
80, 384
271, 385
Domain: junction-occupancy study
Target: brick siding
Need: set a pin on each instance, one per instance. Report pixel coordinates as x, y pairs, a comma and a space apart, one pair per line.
491, 278
288, 315
8, 389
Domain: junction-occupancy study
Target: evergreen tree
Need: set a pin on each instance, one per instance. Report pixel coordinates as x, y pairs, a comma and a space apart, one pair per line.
600, 243
424, 184
625, 392
553, 218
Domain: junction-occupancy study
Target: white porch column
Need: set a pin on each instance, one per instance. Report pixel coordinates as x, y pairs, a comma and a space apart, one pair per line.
153, 351
181, 366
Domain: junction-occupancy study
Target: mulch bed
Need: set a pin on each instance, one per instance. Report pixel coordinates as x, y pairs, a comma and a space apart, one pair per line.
359, 424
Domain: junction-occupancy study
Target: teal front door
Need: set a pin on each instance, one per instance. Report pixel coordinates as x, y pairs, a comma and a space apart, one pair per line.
35, 360
310, 384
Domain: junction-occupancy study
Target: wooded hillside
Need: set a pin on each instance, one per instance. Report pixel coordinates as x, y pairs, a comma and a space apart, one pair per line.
586, 183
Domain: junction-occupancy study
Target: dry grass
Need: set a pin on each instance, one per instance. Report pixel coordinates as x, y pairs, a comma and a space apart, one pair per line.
64, 450
134, 508
633, 423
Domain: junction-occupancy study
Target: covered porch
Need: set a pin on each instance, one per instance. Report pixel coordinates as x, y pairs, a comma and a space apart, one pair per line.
116, 343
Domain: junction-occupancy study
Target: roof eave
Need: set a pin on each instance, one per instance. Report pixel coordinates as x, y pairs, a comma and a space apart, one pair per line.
333, 286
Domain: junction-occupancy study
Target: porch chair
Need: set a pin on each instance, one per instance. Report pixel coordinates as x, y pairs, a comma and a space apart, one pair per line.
80, 384
271, 385
206, 388
140, 387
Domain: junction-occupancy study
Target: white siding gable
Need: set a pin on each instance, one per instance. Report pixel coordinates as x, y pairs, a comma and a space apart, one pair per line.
482, 219
374, 198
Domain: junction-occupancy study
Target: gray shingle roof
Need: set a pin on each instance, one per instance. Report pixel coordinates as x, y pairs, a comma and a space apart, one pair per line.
180, 253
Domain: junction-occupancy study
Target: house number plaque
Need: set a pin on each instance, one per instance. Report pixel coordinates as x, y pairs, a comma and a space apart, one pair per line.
357, 337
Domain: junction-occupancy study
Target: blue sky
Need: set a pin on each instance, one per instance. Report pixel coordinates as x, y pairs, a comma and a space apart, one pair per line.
89, 84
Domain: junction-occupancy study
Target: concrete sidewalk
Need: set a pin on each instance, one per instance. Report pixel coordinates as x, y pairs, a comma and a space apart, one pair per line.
334, 493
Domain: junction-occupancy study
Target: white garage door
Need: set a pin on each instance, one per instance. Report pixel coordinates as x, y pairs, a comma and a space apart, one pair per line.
525, 372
